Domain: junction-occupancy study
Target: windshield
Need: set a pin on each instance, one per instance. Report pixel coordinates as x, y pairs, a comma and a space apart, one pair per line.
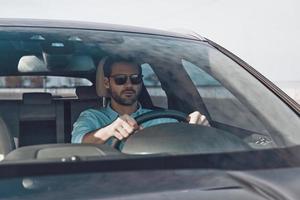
177, 74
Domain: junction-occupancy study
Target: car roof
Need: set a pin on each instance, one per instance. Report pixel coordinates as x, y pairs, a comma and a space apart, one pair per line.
11, 22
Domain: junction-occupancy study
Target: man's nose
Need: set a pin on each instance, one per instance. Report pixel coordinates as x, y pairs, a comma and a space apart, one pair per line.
128, 82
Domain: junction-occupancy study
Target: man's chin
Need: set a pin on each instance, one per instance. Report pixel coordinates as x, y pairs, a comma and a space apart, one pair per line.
127, 101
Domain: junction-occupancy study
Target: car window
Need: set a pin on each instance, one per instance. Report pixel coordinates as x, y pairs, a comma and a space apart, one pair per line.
221, 104
153, 85
179, 73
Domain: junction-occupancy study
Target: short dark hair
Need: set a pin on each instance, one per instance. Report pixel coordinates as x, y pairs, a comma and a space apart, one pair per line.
107, 67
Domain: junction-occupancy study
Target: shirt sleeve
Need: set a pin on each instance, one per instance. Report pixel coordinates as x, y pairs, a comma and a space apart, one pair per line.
86, 122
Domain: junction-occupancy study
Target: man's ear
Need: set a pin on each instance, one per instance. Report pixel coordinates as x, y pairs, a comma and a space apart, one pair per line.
106, 83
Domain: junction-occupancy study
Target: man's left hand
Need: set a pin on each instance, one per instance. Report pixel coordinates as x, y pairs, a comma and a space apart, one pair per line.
197, 118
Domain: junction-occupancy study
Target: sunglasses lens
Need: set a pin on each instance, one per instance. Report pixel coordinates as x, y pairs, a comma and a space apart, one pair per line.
136, 79
120, 80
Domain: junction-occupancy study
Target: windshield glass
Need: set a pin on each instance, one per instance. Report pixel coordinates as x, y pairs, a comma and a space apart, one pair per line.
223, 107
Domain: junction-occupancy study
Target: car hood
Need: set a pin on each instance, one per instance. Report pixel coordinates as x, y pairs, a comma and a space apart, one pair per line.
158, 184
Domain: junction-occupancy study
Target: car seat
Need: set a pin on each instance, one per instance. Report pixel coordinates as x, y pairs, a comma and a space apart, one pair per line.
6, 141
41, 120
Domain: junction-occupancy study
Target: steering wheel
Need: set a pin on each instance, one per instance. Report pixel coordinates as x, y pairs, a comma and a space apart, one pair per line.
174, 114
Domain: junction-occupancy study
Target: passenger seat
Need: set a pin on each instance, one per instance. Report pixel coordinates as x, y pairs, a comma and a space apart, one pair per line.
41, 120
6, 141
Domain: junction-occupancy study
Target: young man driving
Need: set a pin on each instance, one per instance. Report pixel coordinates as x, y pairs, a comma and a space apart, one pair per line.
123, 81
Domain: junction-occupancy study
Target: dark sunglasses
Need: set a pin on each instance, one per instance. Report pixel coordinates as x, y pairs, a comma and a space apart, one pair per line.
121, 79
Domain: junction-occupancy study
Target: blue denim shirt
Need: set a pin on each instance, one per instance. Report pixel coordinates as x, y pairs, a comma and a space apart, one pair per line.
93, 119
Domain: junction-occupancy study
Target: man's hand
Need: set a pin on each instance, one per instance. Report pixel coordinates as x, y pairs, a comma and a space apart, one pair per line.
197, 118
121, 128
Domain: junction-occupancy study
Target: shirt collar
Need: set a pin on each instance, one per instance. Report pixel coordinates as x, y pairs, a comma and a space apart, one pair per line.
114, 114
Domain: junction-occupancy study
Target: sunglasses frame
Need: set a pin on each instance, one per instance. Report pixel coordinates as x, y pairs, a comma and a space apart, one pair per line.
131, 77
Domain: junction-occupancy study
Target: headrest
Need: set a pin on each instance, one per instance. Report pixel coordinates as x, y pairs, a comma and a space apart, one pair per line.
56, 62
86, 92
37, 98
100, 88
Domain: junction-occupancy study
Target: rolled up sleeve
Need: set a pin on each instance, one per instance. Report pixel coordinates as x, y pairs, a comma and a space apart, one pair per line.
86, 122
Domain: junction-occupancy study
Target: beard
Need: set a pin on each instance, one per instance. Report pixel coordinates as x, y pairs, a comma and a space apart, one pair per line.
124, 98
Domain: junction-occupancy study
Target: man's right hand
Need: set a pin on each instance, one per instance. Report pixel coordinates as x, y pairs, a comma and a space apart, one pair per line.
121, 128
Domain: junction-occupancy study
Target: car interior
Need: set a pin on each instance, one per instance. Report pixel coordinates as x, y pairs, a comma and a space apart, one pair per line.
38, 125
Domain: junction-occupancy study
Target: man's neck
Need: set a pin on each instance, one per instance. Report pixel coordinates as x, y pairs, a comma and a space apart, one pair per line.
124, 109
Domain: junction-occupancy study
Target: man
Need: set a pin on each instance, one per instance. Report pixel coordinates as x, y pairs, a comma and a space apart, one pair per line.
123, 81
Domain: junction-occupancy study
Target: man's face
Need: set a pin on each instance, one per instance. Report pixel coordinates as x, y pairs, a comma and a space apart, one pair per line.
127, 93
